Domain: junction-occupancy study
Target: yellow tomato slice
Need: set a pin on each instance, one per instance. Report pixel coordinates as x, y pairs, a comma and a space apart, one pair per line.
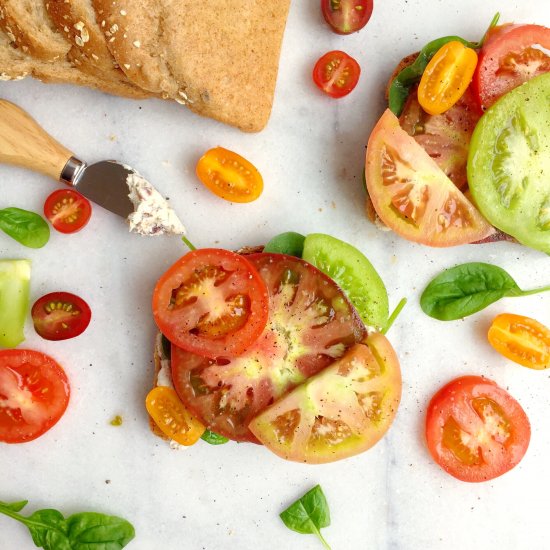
447, 77
229, 175
171, 416
522, 340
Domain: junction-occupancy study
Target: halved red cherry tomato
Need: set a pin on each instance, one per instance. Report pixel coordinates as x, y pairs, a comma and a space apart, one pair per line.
336, 74
171, 416
67, 210
311, 323
212, 302
412, 195
475, 430
512, 55
60, 316
347, 16
34, 393
447, 77
342, 411
521, 339
229, 175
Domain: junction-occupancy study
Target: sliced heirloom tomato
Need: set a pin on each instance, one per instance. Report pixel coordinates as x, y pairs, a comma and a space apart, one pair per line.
212, 302
475, 430
412, 195
512, 55
60, 316
67, 210
347, 16
521, 339
336, 74
311, 323
342, 411
34, 393
229, 175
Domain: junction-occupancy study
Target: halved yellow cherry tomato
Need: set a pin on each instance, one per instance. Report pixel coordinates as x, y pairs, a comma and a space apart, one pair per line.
447, 77
171, 416
521, 339
230, 176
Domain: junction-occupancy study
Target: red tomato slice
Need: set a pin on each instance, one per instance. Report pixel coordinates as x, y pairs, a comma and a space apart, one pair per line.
311, 323
347, 16
212, 302
60, 316
67, 210
34, 393
446, 138
512, 55
336, 74
342, 411
412, 195
475, 430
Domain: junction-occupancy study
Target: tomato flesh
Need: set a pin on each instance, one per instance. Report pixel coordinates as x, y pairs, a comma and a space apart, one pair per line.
342, 411
211, 302
511, 56
60, 316
336, 74
311, 323
34, 393
521, 339
229, 175
347, 16
475, 430
67, 210
412, 195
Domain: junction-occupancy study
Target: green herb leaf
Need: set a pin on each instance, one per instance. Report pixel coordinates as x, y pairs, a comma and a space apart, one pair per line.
467, 289
213, 438
290, 243
309, 514
25, 227
15, 506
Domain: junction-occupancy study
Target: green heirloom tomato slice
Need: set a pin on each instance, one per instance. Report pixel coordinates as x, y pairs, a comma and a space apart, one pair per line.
342, 411
15, 277
290, 243
509, 163
351, 270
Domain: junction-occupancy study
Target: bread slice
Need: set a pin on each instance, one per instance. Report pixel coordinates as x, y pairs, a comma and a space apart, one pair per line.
220, 58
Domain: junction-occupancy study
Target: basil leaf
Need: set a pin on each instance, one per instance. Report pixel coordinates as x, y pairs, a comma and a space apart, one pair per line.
25, 227
290, 243
15, 506
213, 438
309, 514
166, 347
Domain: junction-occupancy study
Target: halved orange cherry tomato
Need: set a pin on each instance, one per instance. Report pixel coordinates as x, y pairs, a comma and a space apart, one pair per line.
229, 175
67, 210
336, 74
521, 339
171, 416
446, 77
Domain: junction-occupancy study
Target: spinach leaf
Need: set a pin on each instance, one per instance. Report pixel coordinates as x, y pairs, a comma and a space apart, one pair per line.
290, 243
25, 227
309, 514
84, 531
411, 75
468, 288
213, 438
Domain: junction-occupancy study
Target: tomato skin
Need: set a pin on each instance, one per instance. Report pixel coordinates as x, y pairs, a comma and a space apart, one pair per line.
67, 210
475, 430
447, 77
60, 316
229, 176
521, 339
336, 74
347, 16
34, 394
508, 58
212, 302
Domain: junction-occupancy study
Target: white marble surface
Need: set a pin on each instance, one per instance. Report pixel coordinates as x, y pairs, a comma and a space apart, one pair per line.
311, 156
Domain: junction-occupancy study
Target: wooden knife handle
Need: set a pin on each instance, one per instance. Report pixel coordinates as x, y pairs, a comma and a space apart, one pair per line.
24, 143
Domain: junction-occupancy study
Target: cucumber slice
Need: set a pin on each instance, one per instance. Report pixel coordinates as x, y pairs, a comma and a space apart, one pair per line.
290, 243
353, 272
509, 164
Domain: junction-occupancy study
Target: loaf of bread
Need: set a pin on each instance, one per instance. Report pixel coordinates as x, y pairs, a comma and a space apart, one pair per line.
218, 58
